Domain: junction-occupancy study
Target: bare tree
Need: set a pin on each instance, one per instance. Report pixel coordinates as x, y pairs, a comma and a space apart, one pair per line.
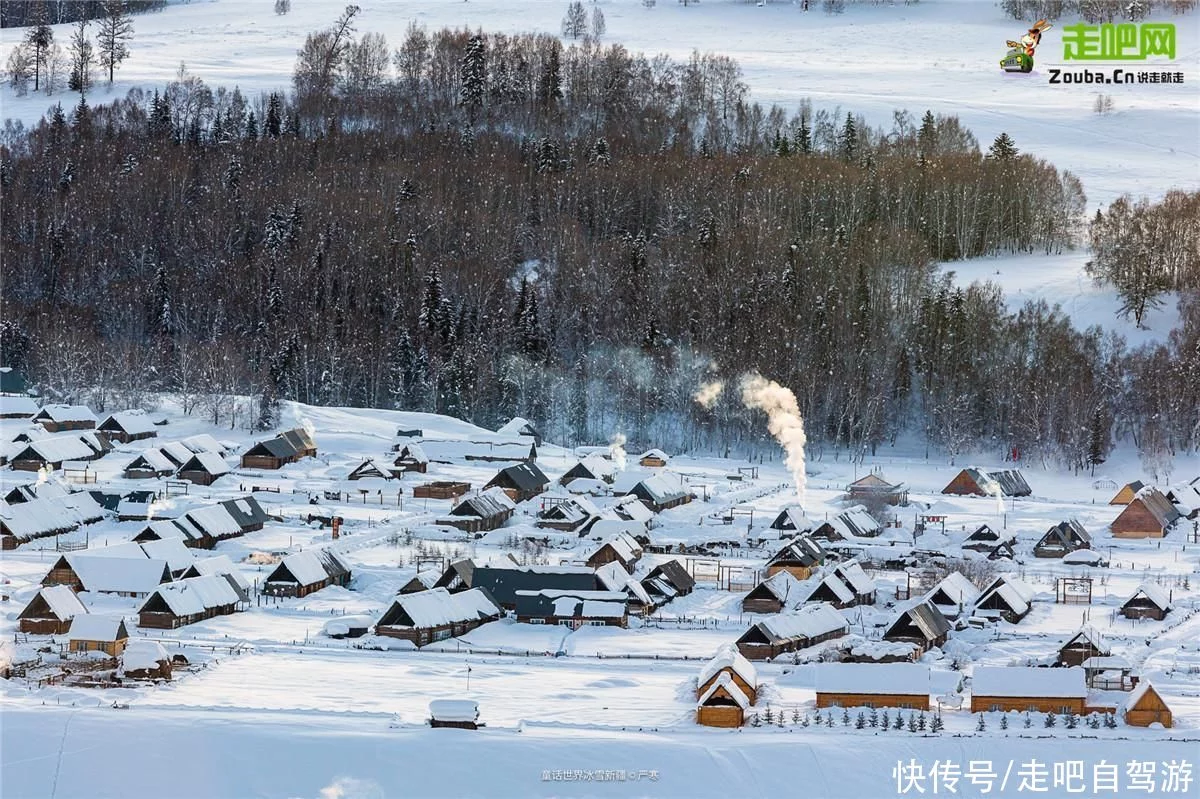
116, 28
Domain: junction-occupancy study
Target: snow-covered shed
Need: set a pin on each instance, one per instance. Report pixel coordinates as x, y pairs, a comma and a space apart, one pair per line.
1028, 689
1149, 601
50, 611
305, 572
127, 426
902, 685
437, 614
788, 632
97, 633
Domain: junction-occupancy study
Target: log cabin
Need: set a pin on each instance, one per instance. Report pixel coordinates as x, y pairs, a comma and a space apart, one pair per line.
221, 566
1027, 689
368, 469
61, 418
788, 632
52, 452
855, 522
1085, 644
729, 661
1147, 602
653, 459
1145, 706
1007, 597
1186, 499
436, 614
669, 579
150, 464
1148, 515
45, 516
1062, 538
613, 577
660, 493
522, 481
779, 591
481, 512
987, 541
873, 685
203, 469
722, 704
568, 514
274, 453
977, 482
17, 407
128, 426
874, 489
422, 581
792, 520
1127, 493
503, 581
954, 596
97, 633
520, 428
181, 528
173, 551
591, 468
801, 556
573, 609
123, 570
305, 572
444, 489
188, 601
410, 458
50, 611
921, 624
621, 548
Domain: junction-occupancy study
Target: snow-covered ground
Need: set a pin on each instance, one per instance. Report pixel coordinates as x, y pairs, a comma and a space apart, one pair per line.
286, 711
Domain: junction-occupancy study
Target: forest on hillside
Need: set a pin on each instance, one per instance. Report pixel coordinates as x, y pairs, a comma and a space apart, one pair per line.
486, 226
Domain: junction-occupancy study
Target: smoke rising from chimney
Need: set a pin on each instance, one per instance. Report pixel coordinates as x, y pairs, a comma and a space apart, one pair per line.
708, 393
617, 450
783, 420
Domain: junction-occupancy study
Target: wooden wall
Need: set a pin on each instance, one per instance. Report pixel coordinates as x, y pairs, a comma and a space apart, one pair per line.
913, 701
1021, 704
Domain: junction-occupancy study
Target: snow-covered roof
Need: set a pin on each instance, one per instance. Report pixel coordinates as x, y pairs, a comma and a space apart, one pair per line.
438, 607
176, 451
854, 522
195, 595
223, 566
215, 520
11, 406
143, 653
203, 442
908, 679
62, 601
1089, 634
1106, 663
67, 413
853, 575
830, 580
517, 427
728, 658
305, 567
626, 548
177, 555
793, 518
955, 587
1022, 681
654, 453
557, 593
808, 622
454, 710
155, 459
1139, 691
725, 682
209, 462
786, 587
614, 577
1013, 592
1154, 594
1084, 557
659, 489
95, 627
134, 575
50, 514
67, 447
595, 609
131, 422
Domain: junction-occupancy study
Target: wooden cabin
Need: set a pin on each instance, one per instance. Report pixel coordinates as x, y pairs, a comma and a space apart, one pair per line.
613, 577
410, 458
128, 426
1028, 689
660, 493
52, 452
462, 714
1085, 644
1148, 515
1006, 597
61, 418
17, 407
568, 515
792, 520
1148, 602
97, 633
203, 468
122, 570
46, 516
481, 512
921, 624
722, 704
144, 659
368, 469
591, 468
503, 582
436, 614
855, 522
1145, 706
1005, 482
874, 489
788, 632
274, 453
779, 591
149, 465
305, 572
954, 596
520, 428
729, 661
573, 609
50, 611
622, 548
1185, 497
653, 458
188, 601
667, 581
873, 685
522, 481
800, 556
1127, 493
1061, 539
987, 541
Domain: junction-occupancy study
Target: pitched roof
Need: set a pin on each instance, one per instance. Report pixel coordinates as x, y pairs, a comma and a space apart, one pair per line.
808, 622
925, 617
725, 683
209, 462
216, 520
55, 449
1152, 592
438, 607
153, 459
792, 518
195, 595
172, 550
203, 442
524, 476
105, 574
46, 515
1156, 502
97, 627
309, 567
802, 550
1012, 592
130, 422
223, 566
11, 406
571, 603
783, 586
851, 572
1139, 693
62, 602
728, 657
906, 679
517, 427
66, 413
614, 578
504, 582
1023, 681
957, 589
855, 522
1088, 634
485, 505
675, 573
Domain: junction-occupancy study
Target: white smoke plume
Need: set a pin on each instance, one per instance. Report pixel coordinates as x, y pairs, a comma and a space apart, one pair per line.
352, 788
783, 420
708, 393
617, 450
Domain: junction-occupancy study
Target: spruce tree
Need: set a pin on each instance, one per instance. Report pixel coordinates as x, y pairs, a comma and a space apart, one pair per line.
116, 28
1003, 148
40, 37
473, 75
848, 140
273, 124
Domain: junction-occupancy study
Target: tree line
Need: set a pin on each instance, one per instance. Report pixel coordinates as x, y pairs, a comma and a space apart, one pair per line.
488, 226
32, 13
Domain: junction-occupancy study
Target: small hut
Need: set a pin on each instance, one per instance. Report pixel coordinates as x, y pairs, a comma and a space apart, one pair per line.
1061, 539
653, 458
875, 490
1127, 493
203, 468
722, 704
1085, 644
50, 611
1145, 706
921, 624
462, 714
60, 418
1148, 602
98, 633
521, 481
1148, 515
410, 458
128, 426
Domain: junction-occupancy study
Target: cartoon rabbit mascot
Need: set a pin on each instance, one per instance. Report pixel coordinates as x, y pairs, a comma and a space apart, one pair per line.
1020, 57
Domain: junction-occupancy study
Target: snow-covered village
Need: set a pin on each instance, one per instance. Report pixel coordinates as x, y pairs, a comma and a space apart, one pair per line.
620, 398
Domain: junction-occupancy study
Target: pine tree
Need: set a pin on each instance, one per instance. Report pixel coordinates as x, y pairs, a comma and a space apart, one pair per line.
58, 124
1004, 722
1098, 440
1003, 148
82, 58
921, 723
1028, 721
768, 716
937, 724
861, 721
1051, 720
82, 120
912, 723
803, 143
927, 136
40, 37
898, 723
550, 76
251, 127
885, 722
473, 75
848, 140
116, 28
273, 125
981, 725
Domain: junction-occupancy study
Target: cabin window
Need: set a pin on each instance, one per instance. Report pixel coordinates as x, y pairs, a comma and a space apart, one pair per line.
565, 623
994, 707
1066, 711
594, 623
537, 621
869, 704
1031, 709
441, 635
906, 705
